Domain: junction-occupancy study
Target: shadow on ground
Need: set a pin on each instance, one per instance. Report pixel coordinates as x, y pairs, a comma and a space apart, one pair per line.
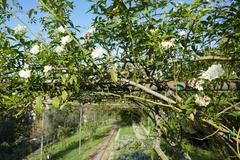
196, 153
73, 146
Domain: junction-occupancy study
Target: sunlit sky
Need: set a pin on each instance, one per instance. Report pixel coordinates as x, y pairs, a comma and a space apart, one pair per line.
79, 16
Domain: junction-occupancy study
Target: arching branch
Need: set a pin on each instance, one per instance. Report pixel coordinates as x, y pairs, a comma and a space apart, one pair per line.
210, 58
148, 90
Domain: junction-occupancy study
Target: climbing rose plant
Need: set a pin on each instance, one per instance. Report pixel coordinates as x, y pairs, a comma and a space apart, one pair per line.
158, 46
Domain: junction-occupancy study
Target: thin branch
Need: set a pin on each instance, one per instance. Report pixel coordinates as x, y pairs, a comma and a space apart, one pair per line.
108, 94
221, 128
156, 103
232, 149
228, 108
111, 106
215, 125
201, 139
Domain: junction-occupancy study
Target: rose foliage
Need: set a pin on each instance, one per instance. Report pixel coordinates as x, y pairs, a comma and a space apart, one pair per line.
177, 61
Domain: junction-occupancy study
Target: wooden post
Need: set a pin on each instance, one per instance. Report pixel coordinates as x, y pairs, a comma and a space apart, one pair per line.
80, 129
42, 133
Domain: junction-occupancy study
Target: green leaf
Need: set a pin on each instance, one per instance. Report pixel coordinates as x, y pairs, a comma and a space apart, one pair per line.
64, 79
6, 97
73, 79
56, 102
70, 4
77, 89
64, 95
189, 100
147, 11
114, 76
4, 4
39, 104
63, 105
235, 113
184, 106
30, 13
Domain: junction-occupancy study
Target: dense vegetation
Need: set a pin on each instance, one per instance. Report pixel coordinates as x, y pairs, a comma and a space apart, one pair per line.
177, 63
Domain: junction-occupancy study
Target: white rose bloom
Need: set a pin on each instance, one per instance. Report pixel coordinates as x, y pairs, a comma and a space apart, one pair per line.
183, 34
153, 30
25, 66
202, 101
170, 60
213, 72
19, 29
59, 49
197, 84
168, 44
98, 52
60, 29
25, 73
35, 49
89, 32
65, 40
48, 81
47, 68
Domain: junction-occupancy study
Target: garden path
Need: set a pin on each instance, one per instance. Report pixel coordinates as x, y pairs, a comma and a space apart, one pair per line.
138, 131
101, 152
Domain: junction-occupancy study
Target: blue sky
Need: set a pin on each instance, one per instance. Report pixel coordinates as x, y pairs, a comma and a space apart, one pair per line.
79, 16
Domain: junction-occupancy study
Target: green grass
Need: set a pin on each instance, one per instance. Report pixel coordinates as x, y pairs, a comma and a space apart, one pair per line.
197, 153
126, 131
71, 152
59, 151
